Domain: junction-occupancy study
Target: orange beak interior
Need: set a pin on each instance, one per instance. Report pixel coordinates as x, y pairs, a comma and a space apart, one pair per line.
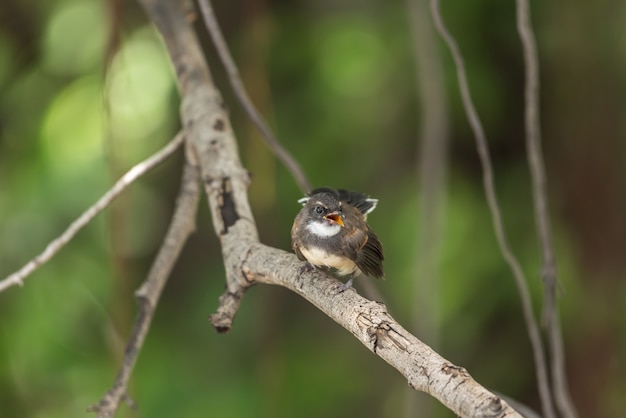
335, 217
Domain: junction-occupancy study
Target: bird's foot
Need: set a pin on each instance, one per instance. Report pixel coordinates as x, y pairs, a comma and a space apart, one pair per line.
305, 268
347, 285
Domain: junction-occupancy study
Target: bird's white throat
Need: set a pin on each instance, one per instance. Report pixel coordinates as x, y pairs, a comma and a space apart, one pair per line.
323, 229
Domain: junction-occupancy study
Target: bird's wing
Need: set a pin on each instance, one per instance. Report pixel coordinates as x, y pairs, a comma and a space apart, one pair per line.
371, 258
294, 237
363, 247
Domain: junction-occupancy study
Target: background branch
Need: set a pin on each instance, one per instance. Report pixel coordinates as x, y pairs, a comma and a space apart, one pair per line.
489, 186
244, 99
538, 176
182, 225
127, 179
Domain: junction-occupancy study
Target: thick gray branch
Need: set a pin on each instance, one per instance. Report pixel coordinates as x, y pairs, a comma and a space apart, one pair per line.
374, 327
213, 146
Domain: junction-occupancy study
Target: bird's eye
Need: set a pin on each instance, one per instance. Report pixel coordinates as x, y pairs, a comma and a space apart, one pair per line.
319, 210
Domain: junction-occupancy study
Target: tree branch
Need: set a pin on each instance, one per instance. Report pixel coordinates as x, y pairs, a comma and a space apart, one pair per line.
183, 224
127, 179
213, 145
242, 95
372, 325
544, 231
494, 207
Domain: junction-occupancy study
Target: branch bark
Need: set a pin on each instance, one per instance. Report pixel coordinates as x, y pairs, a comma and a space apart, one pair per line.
374, 327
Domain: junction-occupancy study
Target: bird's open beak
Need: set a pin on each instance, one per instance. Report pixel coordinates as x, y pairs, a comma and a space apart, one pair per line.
335, 217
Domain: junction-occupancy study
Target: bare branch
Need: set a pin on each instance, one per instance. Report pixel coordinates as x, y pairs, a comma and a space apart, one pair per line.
247, 261
127, 179
535, 155
372, 325
213, 145
240, 92
538, 176
492, 201
183, 224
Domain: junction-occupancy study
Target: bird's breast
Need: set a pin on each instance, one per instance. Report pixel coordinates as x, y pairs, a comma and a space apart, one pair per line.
320, 257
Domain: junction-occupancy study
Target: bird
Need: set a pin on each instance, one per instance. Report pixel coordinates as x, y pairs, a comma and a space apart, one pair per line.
331, 232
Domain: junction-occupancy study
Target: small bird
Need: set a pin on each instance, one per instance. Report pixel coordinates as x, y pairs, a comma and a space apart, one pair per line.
331, 232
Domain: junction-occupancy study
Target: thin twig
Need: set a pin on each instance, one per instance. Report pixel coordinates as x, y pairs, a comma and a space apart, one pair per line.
240, 92
494, 207
538, 177
127, 179
181, 227
534, 153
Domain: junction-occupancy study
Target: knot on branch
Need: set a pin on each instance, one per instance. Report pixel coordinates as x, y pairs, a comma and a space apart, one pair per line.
495, 407
454, 371
378, 326
226, 203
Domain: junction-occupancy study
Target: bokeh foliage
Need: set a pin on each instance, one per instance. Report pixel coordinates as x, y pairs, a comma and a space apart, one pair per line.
86, 90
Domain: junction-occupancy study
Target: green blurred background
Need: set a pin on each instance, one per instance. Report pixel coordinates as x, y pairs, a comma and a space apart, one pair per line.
86, 91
